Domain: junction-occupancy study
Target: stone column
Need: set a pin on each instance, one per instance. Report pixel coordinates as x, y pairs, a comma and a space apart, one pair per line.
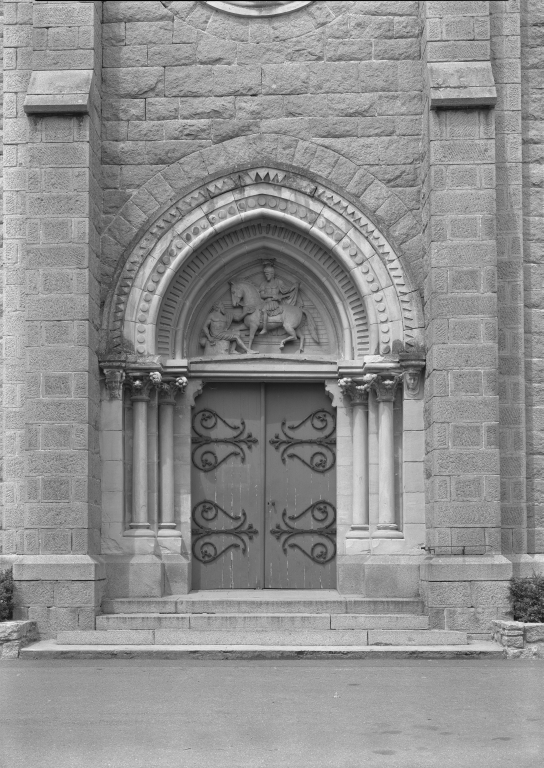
386, 387
141, 387
167, 402
111, 452
358, 395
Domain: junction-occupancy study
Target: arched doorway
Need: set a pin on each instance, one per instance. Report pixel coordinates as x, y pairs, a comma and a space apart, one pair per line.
181, 343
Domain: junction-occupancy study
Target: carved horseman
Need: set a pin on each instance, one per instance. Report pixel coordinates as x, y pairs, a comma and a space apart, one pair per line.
274, 293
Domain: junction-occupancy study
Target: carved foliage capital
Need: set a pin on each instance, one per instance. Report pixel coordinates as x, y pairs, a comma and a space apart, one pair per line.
385, 386
141, 385
357, 392
169, 388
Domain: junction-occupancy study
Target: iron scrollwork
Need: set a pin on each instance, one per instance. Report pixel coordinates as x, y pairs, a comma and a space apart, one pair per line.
322, 459
204, 550
204, 456
321, 552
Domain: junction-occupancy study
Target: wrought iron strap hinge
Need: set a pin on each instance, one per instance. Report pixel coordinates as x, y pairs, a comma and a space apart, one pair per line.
204, 455
321, 460
204, 550
322, 551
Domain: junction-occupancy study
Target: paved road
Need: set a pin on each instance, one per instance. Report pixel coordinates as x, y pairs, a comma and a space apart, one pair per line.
195, 714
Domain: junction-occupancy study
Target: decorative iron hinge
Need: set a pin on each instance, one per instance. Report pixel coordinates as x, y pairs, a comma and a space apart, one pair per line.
204, 550
321, 460
321, 552
204, 456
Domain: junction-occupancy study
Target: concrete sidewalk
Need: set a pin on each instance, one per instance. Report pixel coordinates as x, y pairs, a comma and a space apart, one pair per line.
346, 714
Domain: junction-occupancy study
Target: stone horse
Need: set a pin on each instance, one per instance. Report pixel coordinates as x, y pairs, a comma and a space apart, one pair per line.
245, 295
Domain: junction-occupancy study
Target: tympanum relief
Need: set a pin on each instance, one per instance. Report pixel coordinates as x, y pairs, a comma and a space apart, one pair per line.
263, 313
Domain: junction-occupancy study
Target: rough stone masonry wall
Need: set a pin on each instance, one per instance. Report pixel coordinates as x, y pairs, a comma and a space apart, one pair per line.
532, 100
52, 206
333, 77
1, 261
463, 507
462, 403
506, 65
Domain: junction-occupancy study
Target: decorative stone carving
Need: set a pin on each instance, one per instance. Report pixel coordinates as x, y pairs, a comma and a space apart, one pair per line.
217, 336
169, 388
385, 385
114, 382
274, 294
272, 305
412, 382
412, 362
357, 393
141, 385
155, 378
257, 8
332, 219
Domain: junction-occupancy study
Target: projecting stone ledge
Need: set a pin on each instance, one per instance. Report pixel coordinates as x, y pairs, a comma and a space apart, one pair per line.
59, 92
461, 84
48, 649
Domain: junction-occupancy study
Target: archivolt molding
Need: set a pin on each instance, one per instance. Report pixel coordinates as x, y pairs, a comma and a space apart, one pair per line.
391, 302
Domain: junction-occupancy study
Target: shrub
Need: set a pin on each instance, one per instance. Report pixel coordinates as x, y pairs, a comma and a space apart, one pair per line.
6, 595
527, 598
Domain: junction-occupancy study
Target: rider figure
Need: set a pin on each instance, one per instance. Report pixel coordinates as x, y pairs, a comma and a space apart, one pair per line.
273, 291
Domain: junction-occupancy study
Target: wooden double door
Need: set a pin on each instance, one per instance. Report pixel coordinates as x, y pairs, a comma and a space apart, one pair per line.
263, 487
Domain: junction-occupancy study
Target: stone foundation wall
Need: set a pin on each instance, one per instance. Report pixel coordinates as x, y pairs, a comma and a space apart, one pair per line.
469, 593
521, 640
14, 635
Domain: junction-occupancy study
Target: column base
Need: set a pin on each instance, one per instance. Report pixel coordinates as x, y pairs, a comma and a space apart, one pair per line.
358, 532
169, 532
147, 532
134, 576
387, 532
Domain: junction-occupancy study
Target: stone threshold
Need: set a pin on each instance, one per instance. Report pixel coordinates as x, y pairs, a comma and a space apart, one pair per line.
49, 649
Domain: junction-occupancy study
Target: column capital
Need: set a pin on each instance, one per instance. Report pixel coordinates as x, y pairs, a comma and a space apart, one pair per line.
114, 378
357, 392
142, 384
385, 385
169, 388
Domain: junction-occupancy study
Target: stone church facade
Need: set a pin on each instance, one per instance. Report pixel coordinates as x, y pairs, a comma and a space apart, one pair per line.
272, 302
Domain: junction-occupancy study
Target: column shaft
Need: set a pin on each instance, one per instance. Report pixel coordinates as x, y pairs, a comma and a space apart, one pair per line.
360, 468
167, 523
140, 524
386, 467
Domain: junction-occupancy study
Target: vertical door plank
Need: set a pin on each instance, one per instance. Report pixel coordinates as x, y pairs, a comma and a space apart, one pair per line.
226, 479
300, 518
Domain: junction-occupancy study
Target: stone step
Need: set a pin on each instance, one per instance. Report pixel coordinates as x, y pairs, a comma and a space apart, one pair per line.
259, 621
301, 638
263, 601
49, 649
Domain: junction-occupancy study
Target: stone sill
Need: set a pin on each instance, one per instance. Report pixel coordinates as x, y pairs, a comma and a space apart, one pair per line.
522, 640
14, 635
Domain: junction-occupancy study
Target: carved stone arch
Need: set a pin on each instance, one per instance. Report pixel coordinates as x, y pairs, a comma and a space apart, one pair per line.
330, 293
206, 168
186, 227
